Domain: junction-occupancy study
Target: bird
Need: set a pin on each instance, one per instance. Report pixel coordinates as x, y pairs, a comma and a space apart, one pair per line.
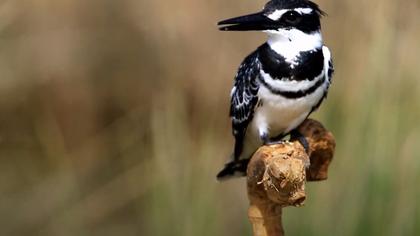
279, 84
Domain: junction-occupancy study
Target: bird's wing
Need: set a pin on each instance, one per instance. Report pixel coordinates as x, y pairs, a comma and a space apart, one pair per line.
244, 97
330, 70
329, 64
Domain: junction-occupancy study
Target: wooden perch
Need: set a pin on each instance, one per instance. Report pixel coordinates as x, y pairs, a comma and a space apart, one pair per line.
277, 174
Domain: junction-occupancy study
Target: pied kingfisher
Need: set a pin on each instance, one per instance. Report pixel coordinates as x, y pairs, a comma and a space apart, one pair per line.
281, 83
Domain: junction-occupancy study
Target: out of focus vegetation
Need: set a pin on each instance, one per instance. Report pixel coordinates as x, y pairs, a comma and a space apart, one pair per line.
114, 119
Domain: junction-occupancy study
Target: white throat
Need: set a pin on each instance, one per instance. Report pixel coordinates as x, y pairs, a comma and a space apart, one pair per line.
289, 43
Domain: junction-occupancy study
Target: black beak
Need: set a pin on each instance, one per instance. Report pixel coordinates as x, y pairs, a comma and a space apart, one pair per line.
256, 21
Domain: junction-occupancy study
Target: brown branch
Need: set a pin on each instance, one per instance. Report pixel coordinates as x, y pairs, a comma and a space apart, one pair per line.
277, 174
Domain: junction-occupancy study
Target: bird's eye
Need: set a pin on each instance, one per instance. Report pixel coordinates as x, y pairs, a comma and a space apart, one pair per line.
292, 17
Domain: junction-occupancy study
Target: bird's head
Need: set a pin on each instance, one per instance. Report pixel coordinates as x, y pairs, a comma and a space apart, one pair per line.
279, 17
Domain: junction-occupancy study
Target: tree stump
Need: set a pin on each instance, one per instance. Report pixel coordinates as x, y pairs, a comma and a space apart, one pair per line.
277, 174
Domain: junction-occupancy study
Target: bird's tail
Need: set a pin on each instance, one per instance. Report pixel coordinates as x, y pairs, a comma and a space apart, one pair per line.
233, 169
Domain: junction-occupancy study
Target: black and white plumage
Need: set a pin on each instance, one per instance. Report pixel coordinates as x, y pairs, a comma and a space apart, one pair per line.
282, 82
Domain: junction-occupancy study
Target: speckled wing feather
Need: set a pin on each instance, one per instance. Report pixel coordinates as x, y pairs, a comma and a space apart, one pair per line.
244, 97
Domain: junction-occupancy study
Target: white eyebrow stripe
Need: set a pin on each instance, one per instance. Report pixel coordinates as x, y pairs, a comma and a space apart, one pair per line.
277, 14
303, 10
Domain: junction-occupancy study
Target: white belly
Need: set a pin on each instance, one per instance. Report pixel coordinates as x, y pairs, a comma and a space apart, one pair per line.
278, 115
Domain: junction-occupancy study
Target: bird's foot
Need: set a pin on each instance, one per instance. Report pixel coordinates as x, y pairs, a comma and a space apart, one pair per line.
273, 142
266, 140
296, 135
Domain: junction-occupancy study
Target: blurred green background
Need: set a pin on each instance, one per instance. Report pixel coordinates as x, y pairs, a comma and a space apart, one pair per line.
114, 119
